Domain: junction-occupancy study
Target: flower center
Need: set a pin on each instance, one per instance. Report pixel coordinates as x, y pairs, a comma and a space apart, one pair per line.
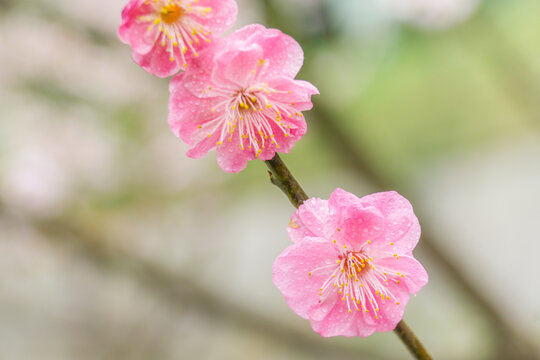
247, 101
357, 281
171, 12
354, 263
252, 115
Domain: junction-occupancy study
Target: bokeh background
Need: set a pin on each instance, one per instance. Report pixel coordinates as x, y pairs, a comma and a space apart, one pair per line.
115, 245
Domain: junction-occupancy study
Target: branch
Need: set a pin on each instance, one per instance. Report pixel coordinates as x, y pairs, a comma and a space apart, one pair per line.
283, 179
409, 338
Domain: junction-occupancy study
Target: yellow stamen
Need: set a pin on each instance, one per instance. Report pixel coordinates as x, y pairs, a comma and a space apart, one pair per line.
170, 13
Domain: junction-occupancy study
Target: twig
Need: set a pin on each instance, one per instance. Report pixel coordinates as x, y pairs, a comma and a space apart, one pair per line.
411, 341
283, 179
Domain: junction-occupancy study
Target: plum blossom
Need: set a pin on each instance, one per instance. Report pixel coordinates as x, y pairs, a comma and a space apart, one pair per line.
351, 267
166, 34
240, 98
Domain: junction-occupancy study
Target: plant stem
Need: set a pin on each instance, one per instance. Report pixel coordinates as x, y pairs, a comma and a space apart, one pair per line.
283, 179
408, 337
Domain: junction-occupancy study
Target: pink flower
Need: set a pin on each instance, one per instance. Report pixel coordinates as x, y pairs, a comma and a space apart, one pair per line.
165, 34
240, 98
351, 268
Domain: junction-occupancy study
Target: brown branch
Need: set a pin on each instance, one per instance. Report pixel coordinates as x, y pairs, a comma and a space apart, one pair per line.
283, 179
411, 341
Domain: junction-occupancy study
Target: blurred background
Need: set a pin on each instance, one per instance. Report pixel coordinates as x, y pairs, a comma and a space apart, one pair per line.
115, 245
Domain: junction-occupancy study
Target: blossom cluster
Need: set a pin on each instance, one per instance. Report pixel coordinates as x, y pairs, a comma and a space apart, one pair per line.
350, 270
237, 95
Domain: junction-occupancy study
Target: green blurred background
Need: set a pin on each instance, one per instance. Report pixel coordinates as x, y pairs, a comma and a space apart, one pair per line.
115, 245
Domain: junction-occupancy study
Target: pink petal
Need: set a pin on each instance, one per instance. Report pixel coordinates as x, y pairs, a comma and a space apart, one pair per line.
339, 322
313, 218
137, 35
291, 272
283, 52
186, 111
230, 157
286, 142
199, 72
234, 67
391, 313
321, 310
297, 92
297, 128
158, 61
359, 225
202, 145
222, 16
341, 200
415, 276
401, 225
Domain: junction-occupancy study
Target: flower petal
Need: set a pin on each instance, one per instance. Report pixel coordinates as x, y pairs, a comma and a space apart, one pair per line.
222, 16
342, 200
414, 274
230, 158
187, 112
235, 66
283, 52
312, 218
359, 226
297, 92
291, 272
339, 322
391, 312
401, 228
